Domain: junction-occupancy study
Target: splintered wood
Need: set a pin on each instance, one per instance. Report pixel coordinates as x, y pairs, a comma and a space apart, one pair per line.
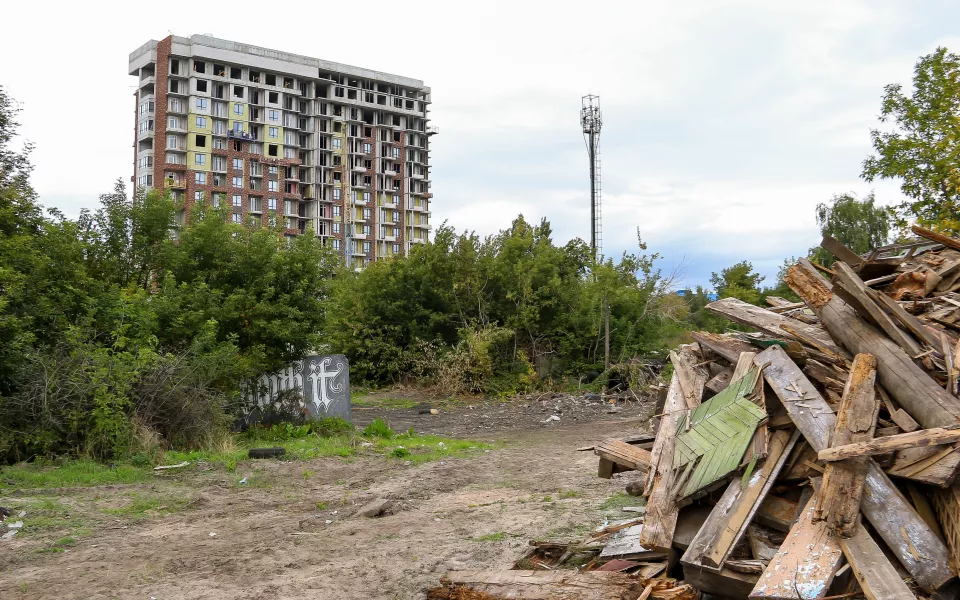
661, 518
839, 499
805, 564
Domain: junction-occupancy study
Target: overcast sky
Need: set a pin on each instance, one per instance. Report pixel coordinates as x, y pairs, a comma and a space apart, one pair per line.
725, 123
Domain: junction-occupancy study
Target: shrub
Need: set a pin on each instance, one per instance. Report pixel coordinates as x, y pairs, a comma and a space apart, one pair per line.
378, 428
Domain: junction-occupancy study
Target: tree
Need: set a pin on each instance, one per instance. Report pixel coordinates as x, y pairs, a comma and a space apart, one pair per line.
860, 225
923, 149
738, 281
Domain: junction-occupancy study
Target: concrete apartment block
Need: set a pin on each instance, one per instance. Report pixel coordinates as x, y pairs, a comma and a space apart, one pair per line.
281, 138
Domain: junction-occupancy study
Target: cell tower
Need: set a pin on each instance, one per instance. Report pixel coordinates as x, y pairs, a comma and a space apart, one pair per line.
591, 121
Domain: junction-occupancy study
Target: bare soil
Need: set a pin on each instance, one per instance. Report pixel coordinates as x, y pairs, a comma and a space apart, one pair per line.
296, 534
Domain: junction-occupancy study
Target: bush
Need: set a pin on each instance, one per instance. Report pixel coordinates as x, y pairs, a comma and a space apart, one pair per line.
378, 428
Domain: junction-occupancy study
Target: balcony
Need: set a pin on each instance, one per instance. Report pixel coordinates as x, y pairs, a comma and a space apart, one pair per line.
174, 183
241, 135
433, 130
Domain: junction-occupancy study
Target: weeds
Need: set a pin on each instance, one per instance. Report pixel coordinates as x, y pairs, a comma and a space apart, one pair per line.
378, 428
497, 536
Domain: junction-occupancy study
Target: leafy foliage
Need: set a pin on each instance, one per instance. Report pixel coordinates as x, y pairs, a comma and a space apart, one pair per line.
858, 224
922, 149
738, 281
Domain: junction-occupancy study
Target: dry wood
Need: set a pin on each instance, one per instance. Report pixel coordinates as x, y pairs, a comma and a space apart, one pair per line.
924, 509
935, 465
890, 443
913, 324
918, 548
948, 363
843, 254
734, 511
857, 294
725, 584
946, 240
805, 564
720, 381
904, 421
624, 454
661, 519
760, 545
839, 498
769, 322
692, 377
776, 513
878, 578
825, 375
726, 347
907, 383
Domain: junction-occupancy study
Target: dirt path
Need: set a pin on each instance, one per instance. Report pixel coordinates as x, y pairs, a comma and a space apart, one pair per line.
273, 542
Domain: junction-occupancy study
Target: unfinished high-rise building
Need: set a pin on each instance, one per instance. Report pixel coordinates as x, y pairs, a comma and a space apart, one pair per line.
280, 138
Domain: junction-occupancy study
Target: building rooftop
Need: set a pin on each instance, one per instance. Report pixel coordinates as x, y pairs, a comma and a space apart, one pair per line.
205, 46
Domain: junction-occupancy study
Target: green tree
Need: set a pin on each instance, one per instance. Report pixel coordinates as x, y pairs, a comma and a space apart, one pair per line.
860, 225
738, 281
923, 147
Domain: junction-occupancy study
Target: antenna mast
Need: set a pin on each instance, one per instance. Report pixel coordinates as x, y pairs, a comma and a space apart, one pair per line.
591, 122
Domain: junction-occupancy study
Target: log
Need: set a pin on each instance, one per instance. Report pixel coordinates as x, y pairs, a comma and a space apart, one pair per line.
907, 383
917, 547
910, 322
662, 508
839, 498
878, 578
891, 443
904, 421
735, 510
805, 564
857, 295
946, 240
727, 348
769, 322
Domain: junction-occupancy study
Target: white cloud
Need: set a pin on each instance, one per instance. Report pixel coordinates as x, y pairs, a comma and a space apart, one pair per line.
724, 123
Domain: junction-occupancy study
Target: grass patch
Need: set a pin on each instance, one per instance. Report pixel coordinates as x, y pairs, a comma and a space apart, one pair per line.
619, 500
60, 545
564, 494
497, 536
71, 473
327, 438
141, 504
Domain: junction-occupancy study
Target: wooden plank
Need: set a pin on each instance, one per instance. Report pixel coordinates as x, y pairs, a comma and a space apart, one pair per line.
857, 294
726, 347
736, 508
890, 443
776, 513
661, 518
624, 454
825, 375
605, 468
946, 240
725, 584
769, 322
910, 322
806, 562
692, 377
907, 383
924, 509
721, 380
843, 254
626, 544
839, 498
904, 421
935, 465
878, 578
914, 544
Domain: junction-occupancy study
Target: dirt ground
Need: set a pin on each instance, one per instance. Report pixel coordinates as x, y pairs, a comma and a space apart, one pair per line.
296, 534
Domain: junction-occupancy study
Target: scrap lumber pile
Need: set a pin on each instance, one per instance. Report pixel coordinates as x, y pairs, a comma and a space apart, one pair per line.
817, 456
812, 457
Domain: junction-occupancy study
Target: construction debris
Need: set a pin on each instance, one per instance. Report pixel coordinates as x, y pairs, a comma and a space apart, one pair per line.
814, 458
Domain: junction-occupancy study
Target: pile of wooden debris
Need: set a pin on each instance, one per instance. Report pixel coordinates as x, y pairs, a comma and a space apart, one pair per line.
814, 457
